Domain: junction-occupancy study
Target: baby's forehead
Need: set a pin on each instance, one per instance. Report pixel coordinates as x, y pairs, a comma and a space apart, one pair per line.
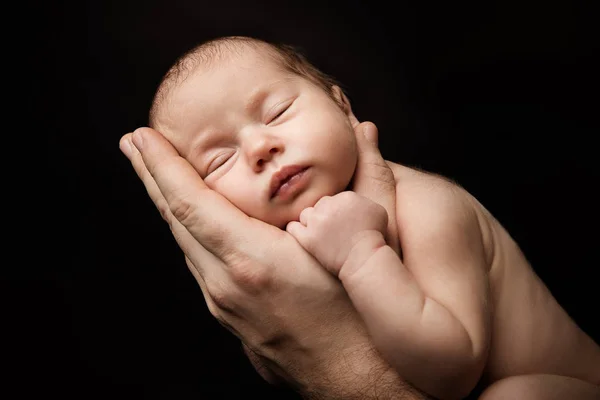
223, 86
250, 56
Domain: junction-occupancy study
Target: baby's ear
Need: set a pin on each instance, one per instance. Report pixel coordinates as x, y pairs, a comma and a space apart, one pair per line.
344, 103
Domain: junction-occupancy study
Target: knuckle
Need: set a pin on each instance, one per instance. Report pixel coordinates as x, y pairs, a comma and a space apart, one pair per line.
183, 210
305, 214
253, 278
346, 195
348, 198
221, 299
214, 309
322, 201
163, 209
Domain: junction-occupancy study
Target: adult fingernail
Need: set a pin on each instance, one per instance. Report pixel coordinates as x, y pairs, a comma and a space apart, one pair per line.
370, 133
138, 140
125, 146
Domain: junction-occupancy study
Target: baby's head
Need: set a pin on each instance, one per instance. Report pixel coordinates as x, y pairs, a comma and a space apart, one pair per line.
260, 124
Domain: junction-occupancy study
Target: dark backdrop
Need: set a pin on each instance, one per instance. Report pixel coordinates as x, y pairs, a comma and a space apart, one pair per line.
501, 96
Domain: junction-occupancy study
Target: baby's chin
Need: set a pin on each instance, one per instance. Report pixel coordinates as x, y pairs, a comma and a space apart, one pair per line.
290, 215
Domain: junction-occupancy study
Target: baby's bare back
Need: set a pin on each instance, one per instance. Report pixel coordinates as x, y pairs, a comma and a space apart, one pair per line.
531, 332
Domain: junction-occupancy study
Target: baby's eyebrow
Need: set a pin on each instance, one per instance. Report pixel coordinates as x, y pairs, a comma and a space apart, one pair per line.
255, 99
258, 95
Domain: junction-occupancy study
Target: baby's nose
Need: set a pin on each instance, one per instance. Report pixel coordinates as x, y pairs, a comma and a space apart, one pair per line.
262, 150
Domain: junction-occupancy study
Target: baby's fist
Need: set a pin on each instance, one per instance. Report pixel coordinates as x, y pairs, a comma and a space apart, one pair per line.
335, 224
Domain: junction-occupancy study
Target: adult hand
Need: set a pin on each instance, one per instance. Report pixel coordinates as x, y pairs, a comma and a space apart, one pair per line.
260, 284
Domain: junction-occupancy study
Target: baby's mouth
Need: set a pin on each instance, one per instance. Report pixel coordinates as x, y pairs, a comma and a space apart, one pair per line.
284, 179
286, 182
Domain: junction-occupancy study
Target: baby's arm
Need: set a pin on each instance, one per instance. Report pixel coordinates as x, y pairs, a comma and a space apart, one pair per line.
427, 315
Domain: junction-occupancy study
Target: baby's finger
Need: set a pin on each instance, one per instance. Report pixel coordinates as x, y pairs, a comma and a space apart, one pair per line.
322, 201
305, 215
299, 232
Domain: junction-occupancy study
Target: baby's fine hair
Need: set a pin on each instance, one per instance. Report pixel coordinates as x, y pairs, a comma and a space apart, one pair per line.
290, 58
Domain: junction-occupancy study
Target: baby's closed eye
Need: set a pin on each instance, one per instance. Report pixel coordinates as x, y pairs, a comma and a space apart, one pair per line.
279, 110
220, 160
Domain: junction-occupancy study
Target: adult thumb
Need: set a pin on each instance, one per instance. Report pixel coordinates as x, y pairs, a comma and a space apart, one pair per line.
374, 179
372, 171
370, 132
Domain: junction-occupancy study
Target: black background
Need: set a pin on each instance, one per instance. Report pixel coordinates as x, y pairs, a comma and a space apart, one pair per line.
500, 96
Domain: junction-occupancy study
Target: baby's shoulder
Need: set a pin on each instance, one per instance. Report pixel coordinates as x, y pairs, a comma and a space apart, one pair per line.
429, 204
416, 188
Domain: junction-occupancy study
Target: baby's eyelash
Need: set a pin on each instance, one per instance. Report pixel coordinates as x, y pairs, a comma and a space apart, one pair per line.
282, 111
220, 160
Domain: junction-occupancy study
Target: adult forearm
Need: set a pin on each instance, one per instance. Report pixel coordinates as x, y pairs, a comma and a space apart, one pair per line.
362, 375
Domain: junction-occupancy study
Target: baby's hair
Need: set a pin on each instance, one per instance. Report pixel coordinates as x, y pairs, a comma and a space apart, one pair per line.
290, 58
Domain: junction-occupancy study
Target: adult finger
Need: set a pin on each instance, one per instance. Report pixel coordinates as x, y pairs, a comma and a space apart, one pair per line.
210, 218
185, 240
189, 245
140, 169
374, 179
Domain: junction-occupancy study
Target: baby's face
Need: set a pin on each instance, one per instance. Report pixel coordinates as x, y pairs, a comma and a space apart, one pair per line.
269, 141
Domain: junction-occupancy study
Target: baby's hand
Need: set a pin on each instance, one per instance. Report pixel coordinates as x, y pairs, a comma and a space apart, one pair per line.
335, 224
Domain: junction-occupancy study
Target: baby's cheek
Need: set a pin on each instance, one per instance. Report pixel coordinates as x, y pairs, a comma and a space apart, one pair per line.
235, 193
248, 199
